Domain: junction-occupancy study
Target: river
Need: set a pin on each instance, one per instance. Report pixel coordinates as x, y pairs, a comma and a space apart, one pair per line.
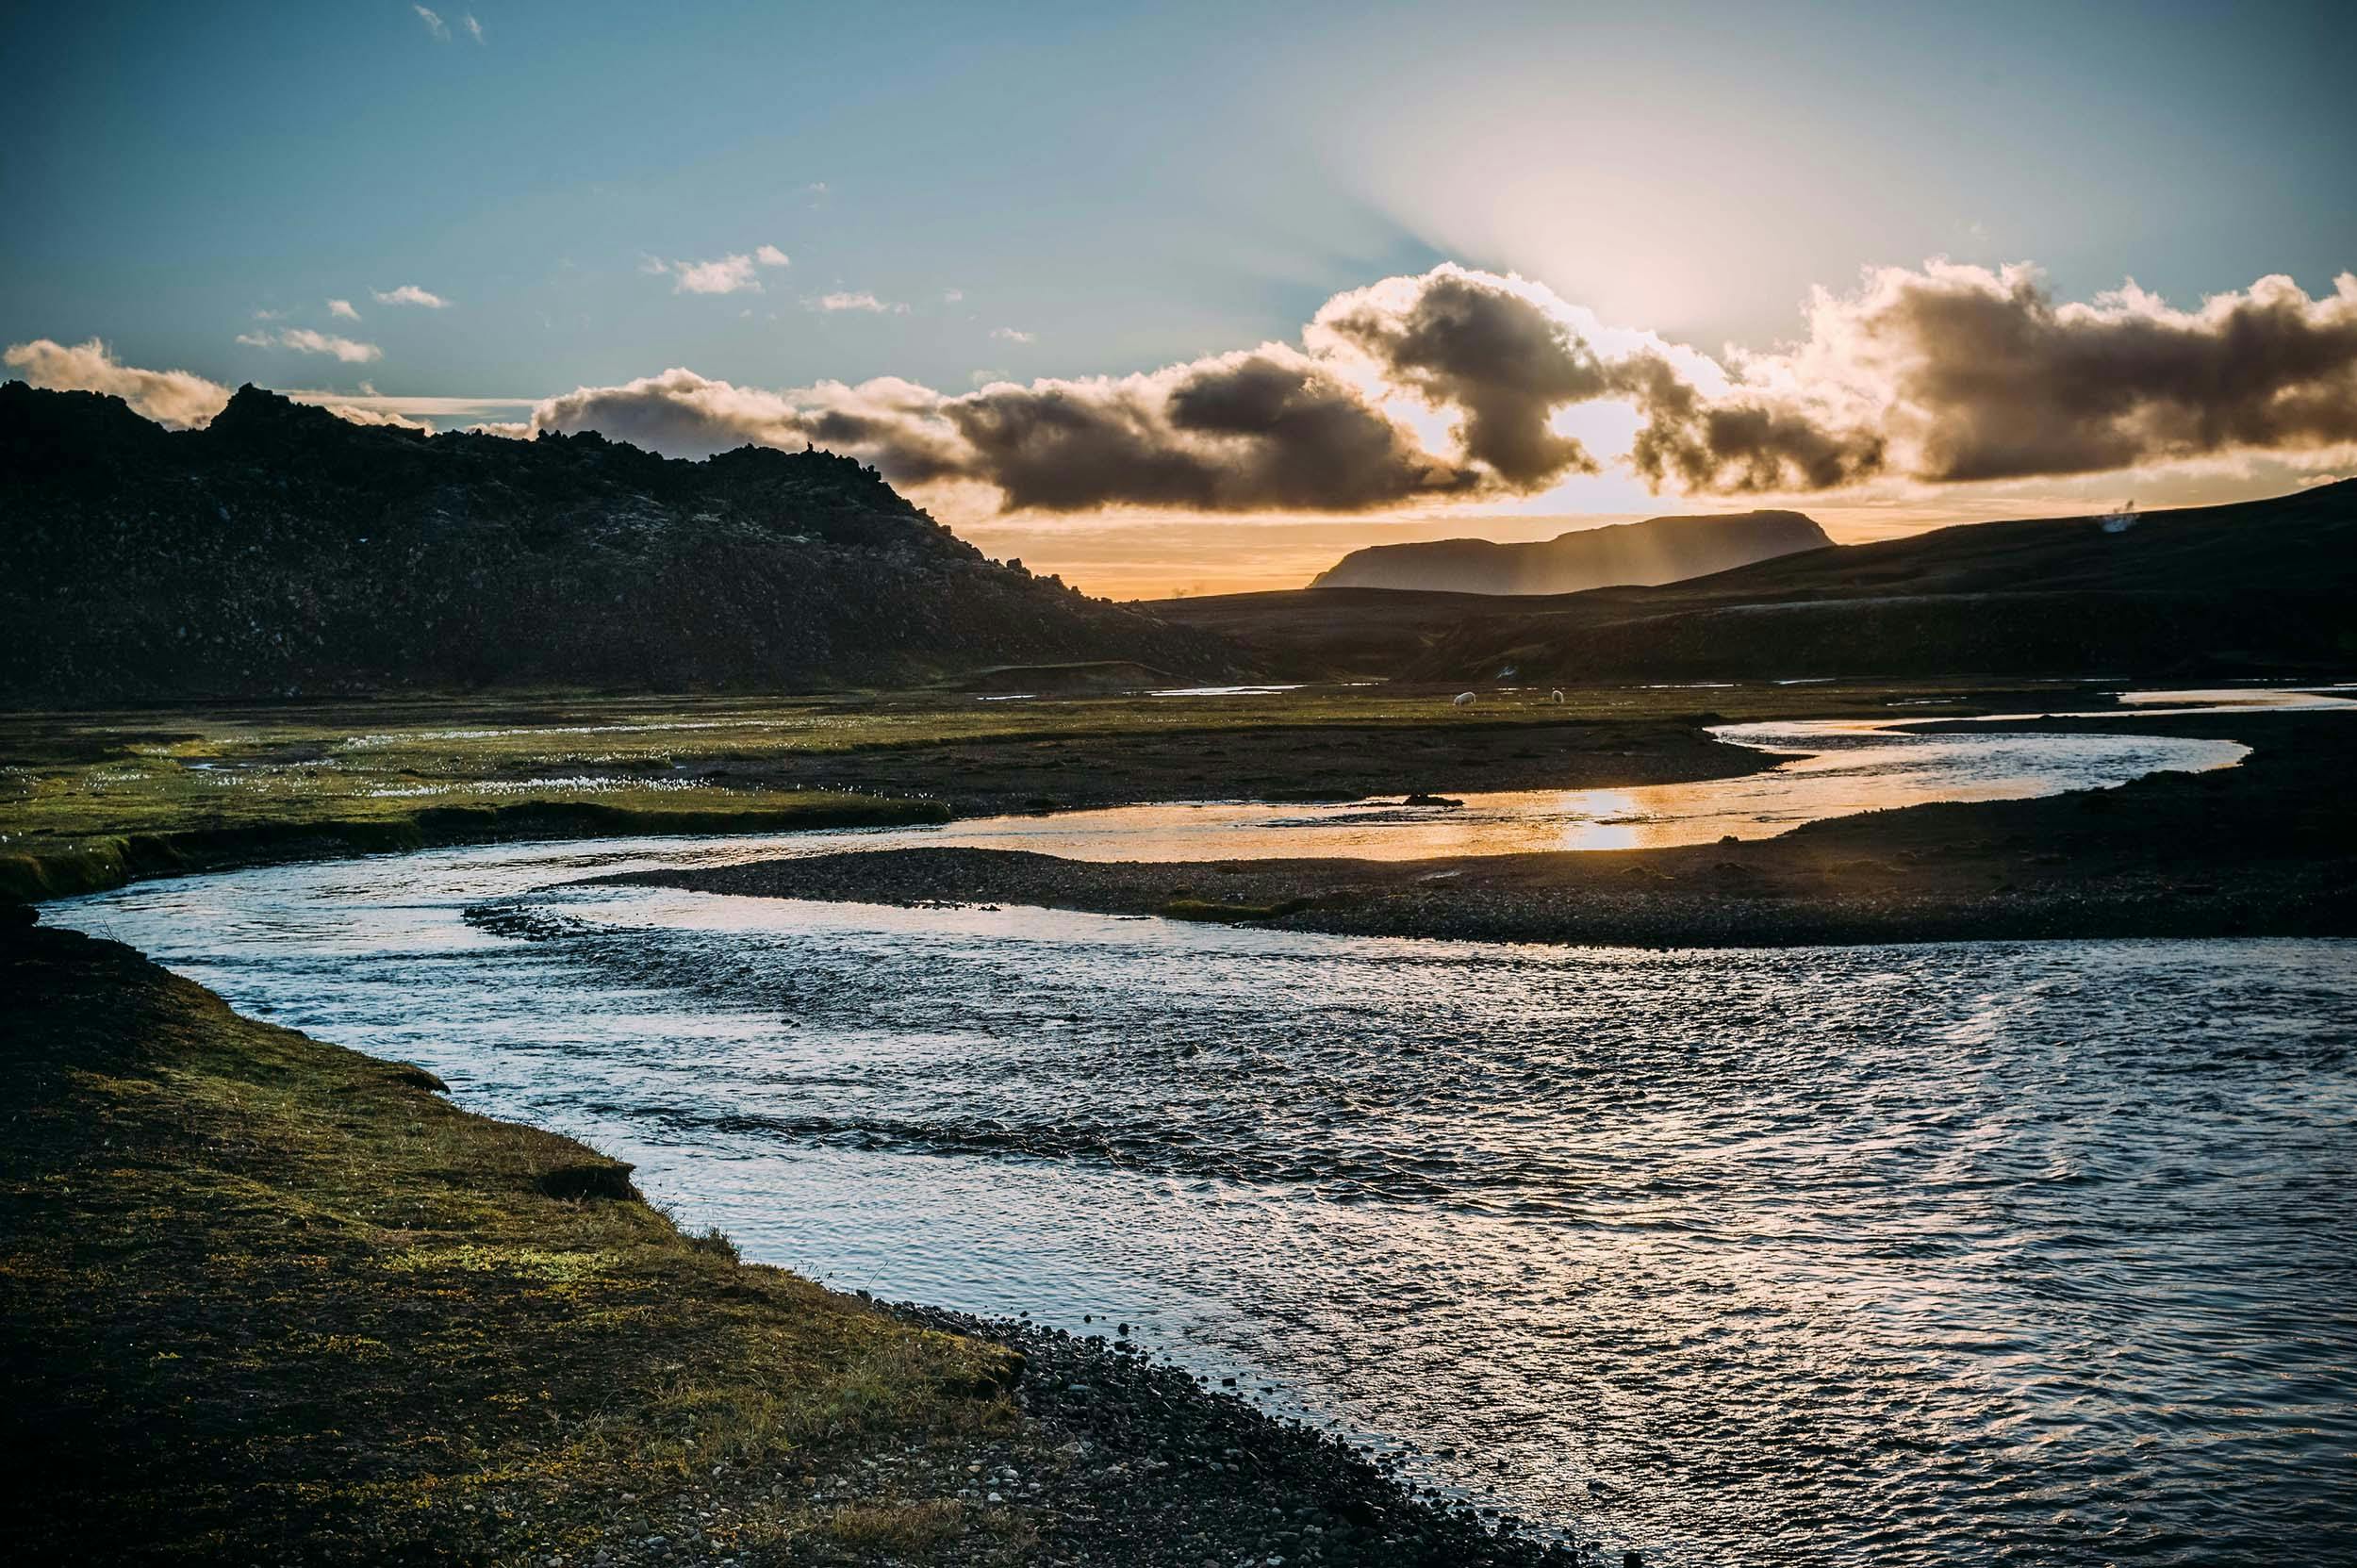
2021, 1252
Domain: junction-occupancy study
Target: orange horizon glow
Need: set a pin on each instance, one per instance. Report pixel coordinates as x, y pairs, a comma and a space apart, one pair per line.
1129, 557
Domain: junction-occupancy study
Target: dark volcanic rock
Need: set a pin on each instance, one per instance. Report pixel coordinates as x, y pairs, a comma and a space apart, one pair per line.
283, 548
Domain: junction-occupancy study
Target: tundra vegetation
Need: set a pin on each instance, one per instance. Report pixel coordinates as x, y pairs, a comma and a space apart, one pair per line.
88, 800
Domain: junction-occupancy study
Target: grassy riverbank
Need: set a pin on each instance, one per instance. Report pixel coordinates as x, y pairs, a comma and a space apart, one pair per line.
2267, 848
272, 1300
89, 800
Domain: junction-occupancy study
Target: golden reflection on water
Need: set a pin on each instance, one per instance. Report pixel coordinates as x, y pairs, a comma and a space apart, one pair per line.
1831, 768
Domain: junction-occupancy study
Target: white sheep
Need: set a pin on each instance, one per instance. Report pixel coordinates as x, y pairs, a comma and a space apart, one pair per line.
1556, 696
1462, 700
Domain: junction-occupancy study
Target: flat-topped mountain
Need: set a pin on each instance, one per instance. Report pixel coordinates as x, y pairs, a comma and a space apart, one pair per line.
1659, 550
283, 548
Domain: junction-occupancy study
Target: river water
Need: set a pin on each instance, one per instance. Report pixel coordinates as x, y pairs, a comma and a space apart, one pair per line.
2019, 1252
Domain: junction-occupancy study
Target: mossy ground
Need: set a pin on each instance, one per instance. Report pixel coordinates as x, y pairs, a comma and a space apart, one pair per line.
273, 1301
87, 800
1229, 913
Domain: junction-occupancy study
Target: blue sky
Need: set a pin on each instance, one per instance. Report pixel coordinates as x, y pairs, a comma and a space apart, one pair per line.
1125, 187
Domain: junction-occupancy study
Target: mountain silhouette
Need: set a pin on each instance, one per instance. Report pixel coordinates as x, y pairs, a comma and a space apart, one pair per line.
283, 549
1659, 550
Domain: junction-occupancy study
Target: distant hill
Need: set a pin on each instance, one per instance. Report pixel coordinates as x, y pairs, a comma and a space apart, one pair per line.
1660, 549
2263, 587
285, 550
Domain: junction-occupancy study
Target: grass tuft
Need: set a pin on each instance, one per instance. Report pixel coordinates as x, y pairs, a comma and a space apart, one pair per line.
1206, 909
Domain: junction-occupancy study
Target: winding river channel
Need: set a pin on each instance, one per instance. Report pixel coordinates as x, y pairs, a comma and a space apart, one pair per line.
2023, 1252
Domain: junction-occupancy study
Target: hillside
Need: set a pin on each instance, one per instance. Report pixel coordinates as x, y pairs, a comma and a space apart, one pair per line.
284, 550
1659, 550
2261, 586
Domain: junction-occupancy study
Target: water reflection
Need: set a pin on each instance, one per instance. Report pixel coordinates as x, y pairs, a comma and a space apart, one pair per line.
1835, 768
2033, 1253
1995, 1252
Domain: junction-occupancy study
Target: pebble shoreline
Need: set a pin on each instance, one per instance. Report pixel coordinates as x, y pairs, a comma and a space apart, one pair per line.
1161, 1471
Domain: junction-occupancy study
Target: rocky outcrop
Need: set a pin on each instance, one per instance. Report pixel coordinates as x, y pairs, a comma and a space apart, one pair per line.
284, 550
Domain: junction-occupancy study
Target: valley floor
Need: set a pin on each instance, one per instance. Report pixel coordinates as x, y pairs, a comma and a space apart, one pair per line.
2267, 848
90, 800
266, 1299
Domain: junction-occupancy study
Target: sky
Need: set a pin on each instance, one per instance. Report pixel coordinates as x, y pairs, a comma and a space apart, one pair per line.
1189, 298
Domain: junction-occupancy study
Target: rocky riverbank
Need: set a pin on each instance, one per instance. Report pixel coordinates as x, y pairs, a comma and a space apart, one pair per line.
1156, 1469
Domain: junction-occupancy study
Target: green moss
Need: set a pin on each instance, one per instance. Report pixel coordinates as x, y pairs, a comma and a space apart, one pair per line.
269, 1300
89, 800
1206, 909
48, 866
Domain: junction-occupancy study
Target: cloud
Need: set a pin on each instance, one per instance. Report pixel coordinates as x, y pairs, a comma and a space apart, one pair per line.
178, 398
181, 400
1735, 446
725, 276
1953, 373
951, 296
304, 341
1324, 425
462, 409
1010, 334
1459, 384
434, 24
844, 300
475, 28
359, 414
729, 275
1980, 374
1260, 429
342, 310
409, 293
688, 415
1267, 428
1498, 353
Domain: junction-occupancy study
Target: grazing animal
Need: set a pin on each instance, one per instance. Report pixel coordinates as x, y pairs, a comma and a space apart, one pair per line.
1462, 700
1556, 696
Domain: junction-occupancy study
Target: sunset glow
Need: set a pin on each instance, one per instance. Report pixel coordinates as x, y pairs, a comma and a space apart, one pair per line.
1530, 289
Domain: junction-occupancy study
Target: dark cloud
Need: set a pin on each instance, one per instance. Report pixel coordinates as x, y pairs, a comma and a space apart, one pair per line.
1953, 374
1488, 349
1729, 446
1991, 379
1268, 430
